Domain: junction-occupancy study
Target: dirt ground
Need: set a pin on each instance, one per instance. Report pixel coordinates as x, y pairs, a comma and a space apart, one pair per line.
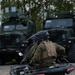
4, 70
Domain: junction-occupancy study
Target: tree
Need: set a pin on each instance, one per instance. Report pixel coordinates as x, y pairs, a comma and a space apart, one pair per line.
36, 9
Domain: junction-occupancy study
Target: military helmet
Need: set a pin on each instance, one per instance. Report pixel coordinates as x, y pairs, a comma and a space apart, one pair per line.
43, 35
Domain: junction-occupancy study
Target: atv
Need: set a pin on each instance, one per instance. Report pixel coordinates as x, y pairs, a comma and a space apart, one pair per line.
58, 69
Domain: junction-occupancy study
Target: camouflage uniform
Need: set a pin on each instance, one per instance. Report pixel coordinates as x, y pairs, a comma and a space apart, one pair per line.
30, 54
41, 57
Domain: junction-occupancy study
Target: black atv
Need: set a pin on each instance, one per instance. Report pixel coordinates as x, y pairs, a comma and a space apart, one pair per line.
52, 70
61, 67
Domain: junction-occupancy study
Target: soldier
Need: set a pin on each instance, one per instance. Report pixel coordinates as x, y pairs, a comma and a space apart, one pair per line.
44, 54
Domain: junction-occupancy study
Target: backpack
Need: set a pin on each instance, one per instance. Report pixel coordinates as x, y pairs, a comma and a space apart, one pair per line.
50, 50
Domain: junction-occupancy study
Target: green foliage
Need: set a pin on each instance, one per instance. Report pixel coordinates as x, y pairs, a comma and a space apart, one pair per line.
35, 7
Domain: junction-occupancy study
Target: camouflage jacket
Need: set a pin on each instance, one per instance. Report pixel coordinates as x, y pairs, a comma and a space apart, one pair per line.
30, 54
37, 54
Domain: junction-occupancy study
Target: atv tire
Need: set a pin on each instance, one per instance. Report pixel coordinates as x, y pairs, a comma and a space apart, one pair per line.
71, 54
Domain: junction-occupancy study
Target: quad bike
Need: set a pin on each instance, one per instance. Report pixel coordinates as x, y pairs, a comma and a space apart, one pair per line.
58, 69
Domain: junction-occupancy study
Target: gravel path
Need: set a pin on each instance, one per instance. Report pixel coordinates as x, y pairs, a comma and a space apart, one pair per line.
4, 70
